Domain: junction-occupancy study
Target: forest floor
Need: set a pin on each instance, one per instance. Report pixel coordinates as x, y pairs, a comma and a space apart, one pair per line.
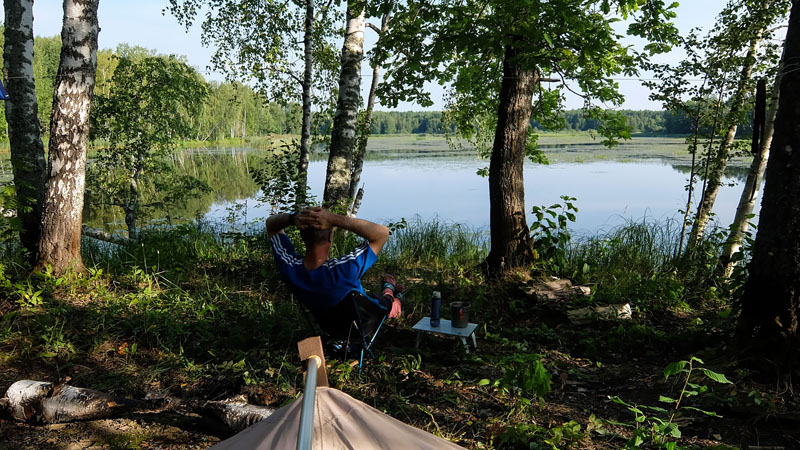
228, 330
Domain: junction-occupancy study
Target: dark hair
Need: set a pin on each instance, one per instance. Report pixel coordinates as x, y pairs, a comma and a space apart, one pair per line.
314, 236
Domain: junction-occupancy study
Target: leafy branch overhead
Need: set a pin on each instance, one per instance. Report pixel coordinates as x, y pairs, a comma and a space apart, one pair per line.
462, 44
260, 43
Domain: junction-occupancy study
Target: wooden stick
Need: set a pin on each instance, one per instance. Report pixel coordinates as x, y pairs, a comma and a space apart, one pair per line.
313, 347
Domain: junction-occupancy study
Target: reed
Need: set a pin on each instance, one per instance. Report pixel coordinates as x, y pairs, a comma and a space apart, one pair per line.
437, 243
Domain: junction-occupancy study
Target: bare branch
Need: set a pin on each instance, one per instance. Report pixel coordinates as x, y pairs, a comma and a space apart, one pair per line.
566, 86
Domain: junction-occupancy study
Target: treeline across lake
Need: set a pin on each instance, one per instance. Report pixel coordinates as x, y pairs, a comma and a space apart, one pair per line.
235, 110
640, 122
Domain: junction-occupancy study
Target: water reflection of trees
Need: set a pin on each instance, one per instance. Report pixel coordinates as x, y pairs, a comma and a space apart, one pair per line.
226, 172
737, 172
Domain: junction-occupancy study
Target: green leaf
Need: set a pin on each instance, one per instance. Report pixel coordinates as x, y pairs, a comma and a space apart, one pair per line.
708, 413
672, 430
718, 377
674, 368
664, 399
655, 408
484, 382
617, 400
548, 39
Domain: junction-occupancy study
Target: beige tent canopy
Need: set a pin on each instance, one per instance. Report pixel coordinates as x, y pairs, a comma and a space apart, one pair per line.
340, 422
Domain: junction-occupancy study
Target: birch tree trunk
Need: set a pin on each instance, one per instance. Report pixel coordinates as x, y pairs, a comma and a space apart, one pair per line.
343, 135
132, 203
43, 402
363, 138
22, 115
308, 80
60, 242
717, 169
769, 324
509, 233
752, 186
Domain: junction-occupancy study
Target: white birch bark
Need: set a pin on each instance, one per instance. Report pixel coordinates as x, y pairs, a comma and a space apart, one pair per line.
752, 186
343, 134
60, 243
308, 80
42, 402
363, 138
720, 161
22, 115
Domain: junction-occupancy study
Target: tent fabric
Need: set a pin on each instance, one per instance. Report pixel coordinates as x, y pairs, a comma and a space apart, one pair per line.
340, 422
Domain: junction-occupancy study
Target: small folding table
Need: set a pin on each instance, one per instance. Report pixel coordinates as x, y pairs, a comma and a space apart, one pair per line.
446, 328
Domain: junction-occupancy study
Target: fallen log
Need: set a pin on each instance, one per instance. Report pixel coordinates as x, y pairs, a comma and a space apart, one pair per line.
558, 291
610, 312
104, 236
235, 413
42, 402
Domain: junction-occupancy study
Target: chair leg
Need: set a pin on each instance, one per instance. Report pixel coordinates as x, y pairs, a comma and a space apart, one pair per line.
347, 342
364, 345
361, 361
375, 334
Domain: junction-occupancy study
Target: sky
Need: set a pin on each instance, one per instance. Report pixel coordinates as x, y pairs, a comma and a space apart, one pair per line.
143, 23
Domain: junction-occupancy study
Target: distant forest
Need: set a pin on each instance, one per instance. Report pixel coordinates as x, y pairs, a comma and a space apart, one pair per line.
234, 110
646, 122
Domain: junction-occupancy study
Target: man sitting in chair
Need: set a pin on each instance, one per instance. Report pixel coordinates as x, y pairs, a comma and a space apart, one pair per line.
331, 287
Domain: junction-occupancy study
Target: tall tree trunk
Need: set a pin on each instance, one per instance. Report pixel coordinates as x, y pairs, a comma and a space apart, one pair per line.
366, 124
769, 323
510, 236
132, 204
60, 242
343, 135
747, 201
22, 115
308, 80
720, 161
692, 174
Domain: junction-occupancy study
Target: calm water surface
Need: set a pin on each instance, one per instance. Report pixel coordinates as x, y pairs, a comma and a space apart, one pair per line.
608, 192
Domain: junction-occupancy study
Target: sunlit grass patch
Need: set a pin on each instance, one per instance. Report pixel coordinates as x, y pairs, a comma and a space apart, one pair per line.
638, 263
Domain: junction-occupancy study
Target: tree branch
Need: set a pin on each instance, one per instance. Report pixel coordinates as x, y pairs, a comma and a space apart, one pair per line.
104, 236
566, 86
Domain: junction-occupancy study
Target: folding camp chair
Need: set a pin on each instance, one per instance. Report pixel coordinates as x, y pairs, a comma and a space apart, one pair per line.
356, 315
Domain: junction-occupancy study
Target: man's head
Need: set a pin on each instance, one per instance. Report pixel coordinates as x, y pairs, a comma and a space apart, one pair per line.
315, 237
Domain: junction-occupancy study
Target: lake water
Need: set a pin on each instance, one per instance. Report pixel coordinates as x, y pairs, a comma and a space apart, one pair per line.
608, 191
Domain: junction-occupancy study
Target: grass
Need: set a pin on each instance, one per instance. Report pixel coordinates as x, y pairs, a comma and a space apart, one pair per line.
637, 263
435, 244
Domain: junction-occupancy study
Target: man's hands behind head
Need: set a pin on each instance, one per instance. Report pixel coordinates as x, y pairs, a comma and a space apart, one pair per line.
315, 217
320, 218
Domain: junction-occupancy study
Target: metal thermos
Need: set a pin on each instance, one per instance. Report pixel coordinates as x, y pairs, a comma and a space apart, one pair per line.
436, 308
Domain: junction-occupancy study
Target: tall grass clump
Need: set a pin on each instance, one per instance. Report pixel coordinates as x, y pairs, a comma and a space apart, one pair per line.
636, 263
182, 248
642, 246
435, 244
